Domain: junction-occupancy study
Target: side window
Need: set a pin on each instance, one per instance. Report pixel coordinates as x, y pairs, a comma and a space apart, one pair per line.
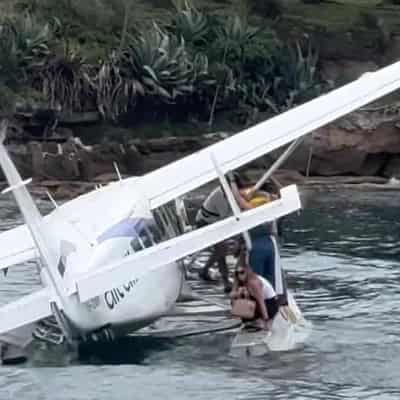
136, 244
154, 233
145, 238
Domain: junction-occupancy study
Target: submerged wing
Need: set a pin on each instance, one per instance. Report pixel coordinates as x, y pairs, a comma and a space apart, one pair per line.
16, 247
97, 282
24, 311
197, 169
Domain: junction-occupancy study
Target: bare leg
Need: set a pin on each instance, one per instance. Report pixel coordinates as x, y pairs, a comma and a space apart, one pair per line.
221, 249
210, 262
218, 256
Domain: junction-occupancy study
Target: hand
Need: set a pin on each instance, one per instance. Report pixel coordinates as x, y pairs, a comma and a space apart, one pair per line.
265, 324
248, 194
243, 293
268, 325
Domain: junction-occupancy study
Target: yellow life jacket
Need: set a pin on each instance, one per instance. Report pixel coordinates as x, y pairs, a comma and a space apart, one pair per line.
260, 198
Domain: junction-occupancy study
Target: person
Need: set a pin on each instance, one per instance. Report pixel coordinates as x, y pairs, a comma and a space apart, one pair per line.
215, 208
250, 285
264, 255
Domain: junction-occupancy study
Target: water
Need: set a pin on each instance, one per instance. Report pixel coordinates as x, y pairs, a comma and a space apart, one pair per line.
342, 259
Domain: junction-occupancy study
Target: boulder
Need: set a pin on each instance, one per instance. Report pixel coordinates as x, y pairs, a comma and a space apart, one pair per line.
358, 145
345, 71
392, 167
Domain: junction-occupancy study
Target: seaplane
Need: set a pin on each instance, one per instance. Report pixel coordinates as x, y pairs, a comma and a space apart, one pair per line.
110, 261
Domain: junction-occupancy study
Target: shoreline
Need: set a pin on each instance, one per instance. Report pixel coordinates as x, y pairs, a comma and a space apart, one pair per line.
67, 190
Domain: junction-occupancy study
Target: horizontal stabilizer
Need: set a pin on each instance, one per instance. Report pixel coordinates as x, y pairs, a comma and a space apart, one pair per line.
97, 282
26, 310
17, 186
17, 246
182, 176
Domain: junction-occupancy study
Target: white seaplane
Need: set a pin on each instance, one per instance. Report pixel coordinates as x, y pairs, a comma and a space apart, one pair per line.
105, 267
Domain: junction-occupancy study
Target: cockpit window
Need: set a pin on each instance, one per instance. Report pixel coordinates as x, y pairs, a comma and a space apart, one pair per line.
146, 235
136, 244
154, 233
145, 238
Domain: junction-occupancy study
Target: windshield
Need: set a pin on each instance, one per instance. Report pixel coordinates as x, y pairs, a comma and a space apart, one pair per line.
146, 235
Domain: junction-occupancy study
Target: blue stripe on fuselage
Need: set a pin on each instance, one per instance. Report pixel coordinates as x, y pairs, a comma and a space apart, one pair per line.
128, 227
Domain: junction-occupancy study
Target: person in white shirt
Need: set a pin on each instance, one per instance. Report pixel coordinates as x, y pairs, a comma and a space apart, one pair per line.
248, 284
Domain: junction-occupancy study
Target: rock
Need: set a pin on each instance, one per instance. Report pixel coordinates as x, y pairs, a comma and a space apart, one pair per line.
88, 117
38, 168
344, 180
22, 159
357, 146
107, 178
345, 71
134, 160
392, 53
373, 164
61, 166
288, 177
283, 176
392, 168
158, 160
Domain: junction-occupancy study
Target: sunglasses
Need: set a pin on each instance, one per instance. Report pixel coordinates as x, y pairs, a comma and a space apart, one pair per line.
241, 272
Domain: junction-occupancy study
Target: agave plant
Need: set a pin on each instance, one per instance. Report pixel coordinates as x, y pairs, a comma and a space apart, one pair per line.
155, 64
292, 77
160, 61
189, 23
235, 34
24, 43
116, 89
63, 81
29, 39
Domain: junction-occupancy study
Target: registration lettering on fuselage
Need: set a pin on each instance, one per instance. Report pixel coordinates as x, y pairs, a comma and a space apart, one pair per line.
115, 296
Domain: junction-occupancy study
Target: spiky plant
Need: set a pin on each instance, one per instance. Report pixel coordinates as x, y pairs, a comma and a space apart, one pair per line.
160, 61
291, 78
155, 64
63, 80
116, 89
24, 43
29, 39
235, 34
190, 23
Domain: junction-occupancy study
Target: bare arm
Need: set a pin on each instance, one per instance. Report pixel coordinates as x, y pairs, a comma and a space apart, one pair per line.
255, 287
235, 292
240, 198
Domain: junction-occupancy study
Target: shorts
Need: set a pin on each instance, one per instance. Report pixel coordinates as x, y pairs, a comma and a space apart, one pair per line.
272, 306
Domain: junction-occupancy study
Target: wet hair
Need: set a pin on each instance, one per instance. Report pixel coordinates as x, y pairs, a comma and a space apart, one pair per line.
239, 180
270, 187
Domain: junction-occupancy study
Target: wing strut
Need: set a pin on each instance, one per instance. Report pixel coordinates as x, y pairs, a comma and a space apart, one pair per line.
231, 198
31, 214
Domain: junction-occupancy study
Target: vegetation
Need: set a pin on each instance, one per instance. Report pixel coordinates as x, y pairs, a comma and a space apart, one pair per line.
188, 62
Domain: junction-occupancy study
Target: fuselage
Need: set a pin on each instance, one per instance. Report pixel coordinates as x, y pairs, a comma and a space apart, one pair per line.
119, 233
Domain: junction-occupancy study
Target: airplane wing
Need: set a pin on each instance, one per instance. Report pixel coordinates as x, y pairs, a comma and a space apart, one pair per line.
184, 175
17, 244
97, 282
24, 311
16, 247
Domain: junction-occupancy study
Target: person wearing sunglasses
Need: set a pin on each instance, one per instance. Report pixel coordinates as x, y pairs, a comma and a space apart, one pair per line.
248, 284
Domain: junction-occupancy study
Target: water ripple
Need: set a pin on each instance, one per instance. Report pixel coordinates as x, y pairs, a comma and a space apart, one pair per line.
341, 255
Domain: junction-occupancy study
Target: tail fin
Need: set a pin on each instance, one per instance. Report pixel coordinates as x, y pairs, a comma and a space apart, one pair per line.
31, 214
